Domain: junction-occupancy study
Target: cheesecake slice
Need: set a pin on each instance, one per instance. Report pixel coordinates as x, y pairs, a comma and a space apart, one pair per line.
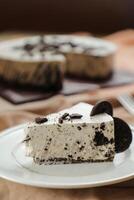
71, 136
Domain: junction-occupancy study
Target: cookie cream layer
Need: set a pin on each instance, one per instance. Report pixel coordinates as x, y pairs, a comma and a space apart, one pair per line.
89, 139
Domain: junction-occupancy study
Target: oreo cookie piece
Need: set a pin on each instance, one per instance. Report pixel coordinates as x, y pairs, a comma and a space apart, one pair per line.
76, 116
102, 107
40, 120
123, 135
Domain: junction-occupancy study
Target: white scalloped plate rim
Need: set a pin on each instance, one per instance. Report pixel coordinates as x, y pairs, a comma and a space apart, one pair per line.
61, 176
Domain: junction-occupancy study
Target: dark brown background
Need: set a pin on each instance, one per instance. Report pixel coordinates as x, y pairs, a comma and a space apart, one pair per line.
98, 16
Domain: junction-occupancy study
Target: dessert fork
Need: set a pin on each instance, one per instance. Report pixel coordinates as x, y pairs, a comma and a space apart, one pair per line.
127, 101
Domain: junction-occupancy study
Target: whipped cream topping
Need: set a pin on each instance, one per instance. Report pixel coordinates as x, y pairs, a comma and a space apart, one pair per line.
76, 44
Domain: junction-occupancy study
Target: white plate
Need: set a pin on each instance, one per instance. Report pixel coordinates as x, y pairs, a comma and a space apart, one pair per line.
16, 167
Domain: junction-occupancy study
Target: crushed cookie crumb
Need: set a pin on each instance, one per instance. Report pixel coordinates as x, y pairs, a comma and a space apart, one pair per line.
79, 128
27, 139
84, 125
81, 148
76, 116
60, 120
58, 125
78, 142
65, 115
102, 126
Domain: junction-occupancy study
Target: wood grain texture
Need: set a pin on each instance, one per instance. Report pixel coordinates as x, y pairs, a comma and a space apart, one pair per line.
9, 191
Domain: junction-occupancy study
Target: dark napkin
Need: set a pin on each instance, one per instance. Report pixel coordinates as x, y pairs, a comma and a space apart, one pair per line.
119, 78
20, 96
70, 86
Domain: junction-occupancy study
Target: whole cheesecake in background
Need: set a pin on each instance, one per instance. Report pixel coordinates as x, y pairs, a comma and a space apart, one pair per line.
42, 61
86, 57
82, 133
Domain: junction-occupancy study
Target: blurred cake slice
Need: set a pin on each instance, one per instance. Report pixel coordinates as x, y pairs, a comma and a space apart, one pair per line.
22, 67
